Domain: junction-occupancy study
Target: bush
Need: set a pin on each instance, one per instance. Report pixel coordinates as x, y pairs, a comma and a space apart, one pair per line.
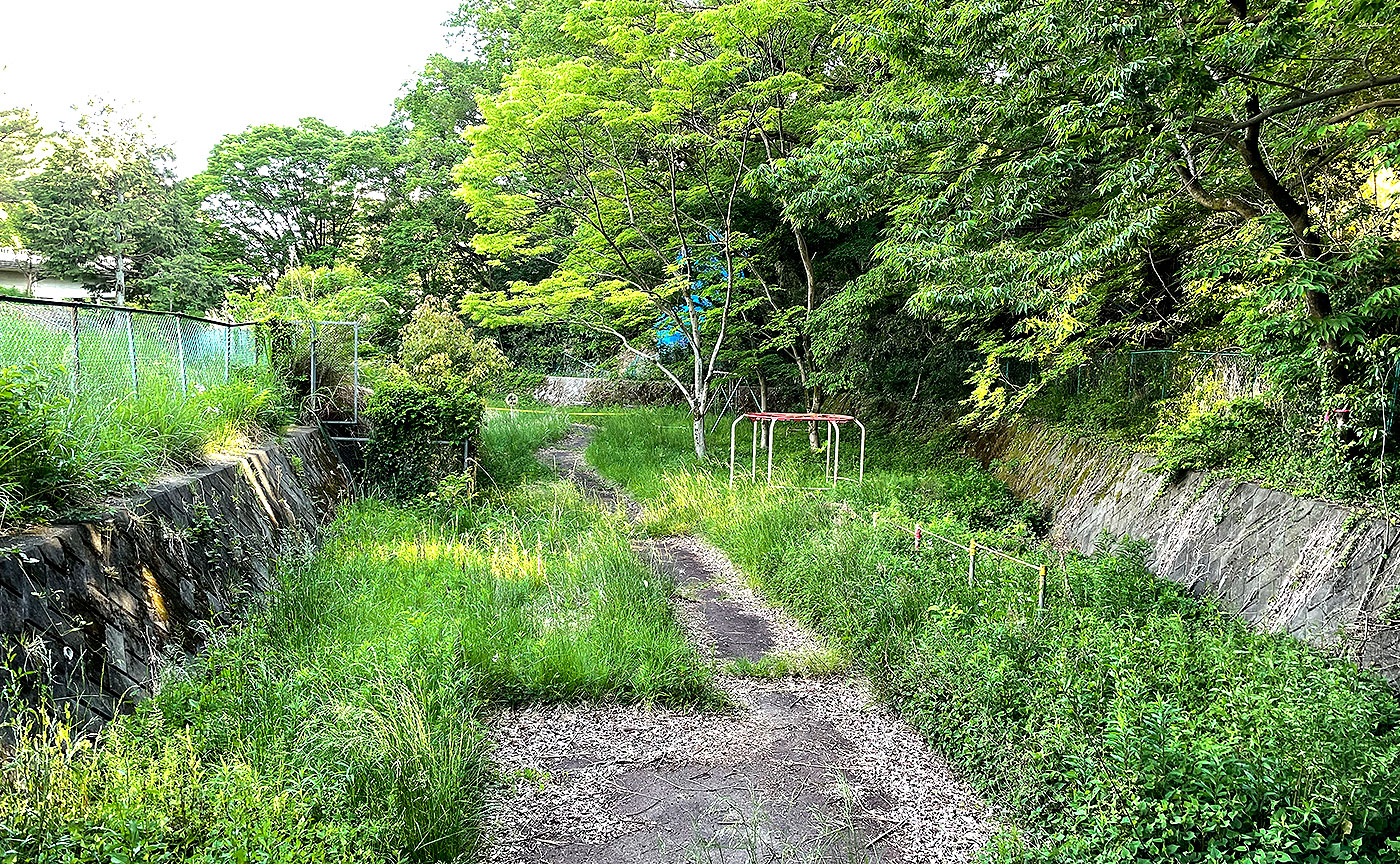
403, 457
438, 347
31, 477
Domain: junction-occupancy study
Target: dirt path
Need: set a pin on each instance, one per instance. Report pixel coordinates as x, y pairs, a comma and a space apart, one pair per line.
802, 769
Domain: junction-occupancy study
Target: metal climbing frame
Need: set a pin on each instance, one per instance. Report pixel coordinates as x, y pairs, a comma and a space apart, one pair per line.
772, 418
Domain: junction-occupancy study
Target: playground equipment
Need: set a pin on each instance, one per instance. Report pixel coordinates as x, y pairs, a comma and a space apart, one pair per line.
773, 418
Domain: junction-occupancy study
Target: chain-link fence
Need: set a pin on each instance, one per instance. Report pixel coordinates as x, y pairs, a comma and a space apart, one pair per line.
111, 351
320, 360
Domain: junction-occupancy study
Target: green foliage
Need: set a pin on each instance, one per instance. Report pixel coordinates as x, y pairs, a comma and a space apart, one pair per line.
340, 293
20, 135
287, 195
343, 721
418, 434
60, 452
437, 348
1129, 722
105, 190
30, 473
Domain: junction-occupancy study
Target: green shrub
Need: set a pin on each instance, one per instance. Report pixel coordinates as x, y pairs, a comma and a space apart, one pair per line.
32, 478
437, 347
406, 455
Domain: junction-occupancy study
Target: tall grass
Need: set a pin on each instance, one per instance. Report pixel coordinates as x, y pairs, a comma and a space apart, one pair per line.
1130, 722
342, 722
508, 446
61, 451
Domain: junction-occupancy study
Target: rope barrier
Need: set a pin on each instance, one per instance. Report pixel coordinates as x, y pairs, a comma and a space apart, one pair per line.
972, 547
566, 413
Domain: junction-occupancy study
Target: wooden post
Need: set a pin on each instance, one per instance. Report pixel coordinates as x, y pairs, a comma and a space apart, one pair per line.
1040, 590
971, 562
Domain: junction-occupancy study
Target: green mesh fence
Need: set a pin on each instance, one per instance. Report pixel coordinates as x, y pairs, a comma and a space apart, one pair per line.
113, 351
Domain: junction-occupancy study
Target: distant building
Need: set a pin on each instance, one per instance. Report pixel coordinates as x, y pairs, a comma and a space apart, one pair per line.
20, 271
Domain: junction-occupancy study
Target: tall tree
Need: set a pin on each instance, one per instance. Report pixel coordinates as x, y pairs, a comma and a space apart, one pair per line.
107, 210
20, 135
1059, 174
289, 195
626, 174
418, 230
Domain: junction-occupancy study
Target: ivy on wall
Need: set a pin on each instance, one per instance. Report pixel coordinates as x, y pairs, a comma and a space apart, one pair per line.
406, 455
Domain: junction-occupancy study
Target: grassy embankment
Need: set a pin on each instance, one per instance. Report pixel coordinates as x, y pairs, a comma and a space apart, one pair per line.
64, 449
1130, 722
341, 722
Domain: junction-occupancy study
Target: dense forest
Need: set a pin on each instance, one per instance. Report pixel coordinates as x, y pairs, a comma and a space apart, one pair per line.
984, 211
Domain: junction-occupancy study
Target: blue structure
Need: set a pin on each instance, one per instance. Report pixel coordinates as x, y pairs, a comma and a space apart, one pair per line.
669, 336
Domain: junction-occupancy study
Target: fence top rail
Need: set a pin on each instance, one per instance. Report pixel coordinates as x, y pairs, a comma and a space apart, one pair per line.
92, 307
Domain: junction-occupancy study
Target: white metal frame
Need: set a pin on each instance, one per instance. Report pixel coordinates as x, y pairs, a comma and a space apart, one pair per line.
833, 443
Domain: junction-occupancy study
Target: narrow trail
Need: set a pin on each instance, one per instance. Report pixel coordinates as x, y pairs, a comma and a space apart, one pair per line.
802, 769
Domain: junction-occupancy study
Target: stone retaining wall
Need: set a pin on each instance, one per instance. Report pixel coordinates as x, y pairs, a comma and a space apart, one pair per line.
566, 391
91, 610
1321, 572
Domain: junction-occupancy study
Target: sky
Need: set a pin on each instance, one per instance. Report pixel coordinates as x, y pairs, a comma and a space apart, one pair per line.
197, 70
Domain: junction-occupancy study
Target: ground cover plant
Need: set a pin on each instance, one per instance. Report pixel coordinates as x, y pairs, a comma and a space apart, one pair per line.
62, 451
342, 721
1129, 722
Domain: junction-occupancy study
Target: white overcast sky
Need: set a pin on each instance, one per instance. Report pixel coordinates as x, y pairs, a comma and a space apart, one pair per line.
197, 70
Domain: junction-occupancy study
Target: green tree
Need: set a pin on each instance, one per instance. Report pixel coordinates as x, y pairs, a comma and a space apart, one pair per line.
419, 230
1059, 176
625, 173
107, 210
20, 135
289, 195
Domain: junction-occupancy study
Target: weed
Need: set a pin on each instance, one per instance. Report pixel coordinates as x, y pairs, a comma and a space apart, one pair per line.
340, 723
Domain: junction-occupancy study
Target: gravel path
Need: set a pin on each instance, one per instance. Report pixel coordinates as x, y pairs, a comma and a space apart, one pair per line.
801, 769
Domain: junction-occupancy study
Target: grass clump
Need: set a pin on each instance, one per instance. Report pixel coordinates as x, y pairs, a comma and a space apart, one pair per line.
817, 663
342, 722
62, 452
1129, 722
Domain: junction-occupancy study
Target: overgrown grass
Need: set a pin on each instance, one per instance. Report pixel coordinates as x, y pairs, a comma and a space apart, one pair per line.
341, 723
1129, 722
508, 446
61, 451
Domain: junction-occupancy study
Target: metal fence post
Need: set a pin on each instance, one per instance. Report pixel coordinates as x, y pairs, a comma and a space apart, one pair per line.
313, 359
77, 355
1040, 590
228, 346
131, 353
180, 341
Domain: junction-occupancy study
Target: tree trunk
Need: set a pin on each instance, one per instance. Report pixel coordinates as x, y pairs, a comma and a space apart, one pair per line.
697, 423
814, 403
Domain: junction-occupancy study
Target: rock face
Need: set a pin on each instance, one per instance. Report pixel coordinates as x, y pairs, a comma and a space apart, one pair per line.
92, 609
1321, 572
